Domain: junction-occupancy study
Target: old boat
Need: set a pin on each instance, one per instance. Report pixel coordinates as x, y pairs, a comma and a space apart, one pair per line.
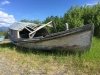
30, 35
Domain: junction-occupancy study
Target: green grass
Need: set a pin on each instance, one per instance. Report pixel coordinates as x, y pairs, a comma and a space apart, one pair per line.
53, 62
3, 33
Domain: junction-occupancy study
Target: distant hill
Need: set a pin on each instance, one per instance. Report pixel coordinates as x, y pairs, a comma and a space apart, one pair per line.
3, 29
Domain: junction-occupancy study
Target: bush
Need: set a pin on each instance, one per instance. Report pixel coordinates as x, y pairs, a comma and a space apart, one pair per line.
78, 16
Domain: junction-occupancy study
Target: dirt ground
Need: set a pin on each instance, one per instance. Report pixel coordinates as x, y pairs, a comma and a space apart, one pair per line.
8, 67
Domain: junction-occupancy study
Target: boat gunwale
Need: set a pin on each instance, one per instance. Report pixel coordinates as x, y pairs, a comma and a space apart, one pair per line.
59, 34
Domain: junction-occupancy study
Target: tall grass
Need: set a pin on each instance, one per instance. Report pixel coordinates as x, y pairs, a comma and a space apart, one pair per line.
54, 62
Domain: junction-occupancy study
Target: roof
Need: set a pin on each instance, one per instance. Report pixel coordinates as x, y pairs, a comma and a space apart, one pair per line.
21, 25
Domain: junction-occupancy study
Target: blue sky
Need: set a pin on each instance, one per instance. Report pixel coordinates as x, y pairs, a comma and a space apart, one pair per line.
15, 10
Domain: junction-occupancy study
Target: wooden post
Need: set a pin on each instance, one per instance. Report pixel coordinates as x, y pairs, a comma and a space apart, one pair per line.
54, 27
18, 34
67, 28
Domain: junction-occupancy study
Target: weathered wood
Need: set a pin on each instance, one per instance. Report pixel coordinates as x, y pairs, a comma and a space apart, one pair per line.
5, 41
75, 39
44, 25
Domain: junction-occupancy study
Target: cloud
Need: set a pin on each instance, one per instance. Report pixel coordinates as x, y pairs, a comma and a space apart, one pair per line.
5, 2
91, 4
6, 19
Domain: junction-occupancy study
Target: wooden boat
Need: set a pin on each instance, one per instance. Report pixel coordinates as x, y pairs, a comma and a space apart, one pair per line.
76, 39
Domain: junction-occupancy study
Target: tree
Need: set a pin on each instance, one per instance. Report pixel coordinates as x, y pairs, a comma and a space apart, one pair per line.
57, 23
78, 16
73, 17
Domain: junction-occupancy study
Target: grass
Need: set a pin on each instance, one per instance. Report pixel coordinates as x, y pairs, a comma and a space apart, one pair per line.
54, 63
3, 33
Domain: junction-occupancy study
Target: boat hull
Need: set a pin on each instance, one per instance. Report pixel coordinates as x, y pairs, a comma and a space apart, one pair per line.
78, 39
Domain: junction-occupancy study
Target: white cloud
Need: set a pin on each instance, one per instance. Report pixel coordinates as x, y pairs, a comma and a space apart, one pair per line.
6, 19
5, 2
91, 4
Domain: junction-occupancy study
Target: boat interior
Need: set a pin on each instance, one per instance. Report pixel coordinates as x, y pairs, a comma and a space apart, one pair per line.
40, 33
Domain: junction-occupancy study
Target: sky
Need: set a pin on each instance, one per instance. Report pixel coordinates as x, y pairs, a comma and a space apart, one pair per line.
15, 10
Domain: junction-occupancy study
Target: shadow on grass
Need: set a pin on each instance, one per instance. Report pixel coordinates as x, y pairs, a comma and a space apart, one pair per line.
37, 51
7, 45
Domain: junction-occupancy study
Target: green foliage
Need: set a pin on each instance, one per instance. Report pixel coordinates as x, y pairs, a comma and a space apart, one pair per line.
78, 16
57, 23
92, 15
75, 17
3, 33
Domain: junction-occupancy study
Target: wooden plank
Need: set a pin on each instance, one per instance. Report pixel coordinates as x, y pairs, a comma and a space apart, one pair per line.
5, 41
